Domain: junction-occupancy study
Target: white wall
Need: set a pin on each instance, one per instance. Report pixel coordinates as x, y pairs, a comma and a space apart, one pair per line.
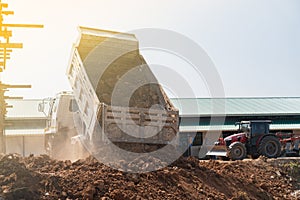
25, 145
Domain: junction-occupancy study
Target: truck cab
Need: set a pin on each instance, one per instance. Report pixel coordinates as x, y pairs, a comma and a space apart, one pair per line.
62, 126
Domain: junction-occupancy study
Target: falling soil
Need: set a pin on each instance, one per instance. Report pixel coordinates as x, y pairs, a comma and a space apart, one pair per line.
188, 178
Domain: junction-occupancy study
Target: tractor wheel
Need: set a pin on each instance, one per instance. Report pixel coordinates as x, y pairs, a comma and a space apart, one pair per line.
270, 147
237, 151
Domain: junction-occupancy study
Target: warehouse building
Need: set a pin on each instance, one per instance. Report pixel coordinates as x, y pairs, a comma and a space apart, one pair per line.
205, 117
24, 128
198, 116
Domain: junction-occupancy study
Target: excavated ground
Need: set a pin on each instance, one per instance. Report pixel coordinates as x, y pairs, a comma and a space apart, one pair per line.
188, 178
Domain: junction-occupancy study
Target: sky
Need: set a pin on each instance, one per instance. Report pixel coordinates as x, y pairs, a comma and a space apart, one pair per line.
254, 44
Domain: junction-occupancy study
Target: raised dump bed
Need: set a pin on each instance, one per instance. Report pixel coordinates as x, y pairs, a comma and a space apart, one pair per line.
113, 85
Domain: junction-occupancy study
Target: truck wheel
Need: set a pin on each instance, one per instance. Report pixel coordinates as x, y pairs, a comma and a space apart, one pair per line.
270, 147
237, 151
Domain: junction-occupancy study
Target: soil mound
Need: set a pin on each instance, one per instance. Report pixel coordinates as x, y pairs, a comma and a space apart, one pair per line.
188, 178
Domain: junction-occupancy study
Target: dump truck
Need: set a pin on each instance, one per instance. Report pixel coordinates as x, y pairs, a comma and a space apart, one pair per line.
116, 91
255, 139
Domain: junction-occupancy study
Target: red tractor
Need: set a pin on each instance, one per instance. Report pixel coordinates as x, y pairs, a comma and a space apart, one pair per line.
253, 139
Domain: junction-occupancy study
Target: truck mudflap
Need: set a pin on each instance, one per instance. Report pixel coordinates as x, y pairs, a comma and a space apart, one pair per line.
139, 125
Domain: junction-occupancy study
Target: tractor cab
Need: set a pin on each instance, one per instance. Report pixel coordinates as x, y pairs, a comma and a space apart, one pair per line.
254, 126
249, 131
254, 129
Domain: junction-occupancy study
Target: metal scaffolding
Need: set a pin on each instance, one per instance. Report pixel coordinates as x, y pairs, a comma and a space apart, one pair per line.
6, 48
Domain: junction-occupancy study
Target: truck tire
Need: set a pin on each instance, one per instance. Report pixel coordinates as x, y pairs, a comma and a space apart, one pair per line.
237, 151
270, 147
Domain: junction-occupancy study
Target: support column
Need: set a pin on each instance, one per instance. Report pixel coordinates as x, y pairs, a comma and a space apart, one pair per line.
2, 118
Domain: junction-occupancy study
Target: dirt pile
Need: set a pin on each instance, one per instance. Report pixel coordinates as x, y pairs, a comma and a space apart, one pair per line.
17, 180
187, 178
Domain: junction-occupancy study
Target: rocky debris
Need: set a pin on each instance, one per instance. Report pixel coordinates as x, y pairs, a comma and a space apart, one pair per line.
188, 178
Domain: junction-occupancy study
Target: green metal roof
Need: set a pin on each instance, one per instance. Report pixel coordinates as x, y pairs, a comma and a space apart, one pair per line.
194, 107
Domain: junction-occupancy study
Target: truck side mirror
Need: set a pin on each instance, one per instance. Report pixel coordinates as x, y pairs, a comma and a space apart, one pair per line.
41, 107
